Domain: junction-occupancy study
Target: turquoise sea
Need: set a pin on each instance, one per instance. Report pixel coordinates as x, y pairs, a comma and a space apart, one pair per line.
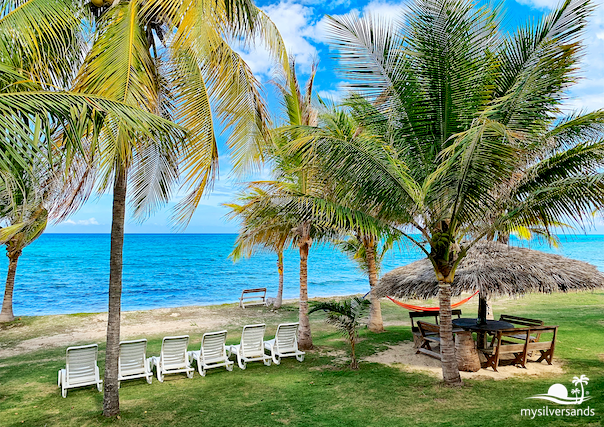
68, 273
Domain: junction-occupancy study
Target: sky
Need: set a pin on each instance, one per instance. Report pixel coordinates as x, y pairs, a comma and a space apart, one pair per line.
302, 26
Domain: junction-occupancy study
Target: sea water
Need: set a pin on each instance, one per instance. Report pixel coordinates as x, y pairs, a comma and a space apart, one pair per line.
69, 273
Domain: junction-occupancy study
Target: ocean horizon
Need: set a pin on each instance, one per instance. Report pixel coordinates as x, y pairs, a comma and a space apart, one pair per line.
66, 273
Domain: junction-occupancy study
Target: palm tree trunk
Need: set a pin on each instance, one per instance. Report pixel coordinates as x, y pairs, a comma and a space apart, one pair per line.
447, 345
279, 299
376, 323
305, 337
6, 315
353, 363
111, 402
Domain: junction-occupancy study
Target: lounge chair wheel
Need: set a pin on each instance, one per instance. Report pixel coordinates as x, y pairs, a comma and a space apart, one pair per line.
190, 374
267, 362
300, 358
229, 368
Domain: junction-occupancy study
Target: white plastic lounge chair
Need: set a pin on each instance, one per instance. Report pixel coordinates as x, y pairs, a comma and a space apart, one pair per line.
251, 348
212, 353
133, 362
285, 343
173, 358
81, 368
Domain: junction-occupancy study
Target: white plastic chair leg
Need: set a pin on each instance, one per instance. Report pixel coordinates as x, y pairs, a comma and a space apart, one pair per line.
274, 355
240, 361
267, 361
300, 357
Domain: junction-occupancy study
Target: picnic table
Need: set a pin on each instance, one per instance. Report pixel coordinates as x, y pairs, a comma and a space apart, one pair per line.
481, 328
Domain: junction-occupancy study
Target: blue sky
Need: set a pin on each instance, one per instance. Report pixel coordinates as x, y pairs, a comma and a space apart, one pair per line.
301, 24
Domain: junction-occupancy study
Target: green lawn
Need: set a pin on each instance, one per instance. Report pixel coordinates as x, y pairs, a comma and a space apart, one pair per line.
321, 391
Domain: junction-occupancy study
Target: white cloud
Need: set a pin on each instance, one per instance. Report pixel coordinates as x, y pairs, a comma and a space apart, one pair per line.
337, 94
90, 221
540, 4
296, 23
384, 9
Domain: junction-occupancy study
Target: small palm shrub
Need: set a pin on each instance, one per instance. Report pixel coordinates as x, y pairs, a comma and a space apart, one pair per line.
346, 316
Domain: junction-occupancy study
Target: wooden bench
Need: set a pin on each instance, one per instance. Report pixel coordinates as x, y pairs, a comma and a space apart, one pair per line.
523, 322
422, 314
507, 341
258, 297
428, 332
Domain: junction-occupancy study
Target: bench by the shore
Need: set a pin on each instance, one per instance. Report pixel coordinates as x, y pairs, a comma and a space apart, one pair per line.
250, 297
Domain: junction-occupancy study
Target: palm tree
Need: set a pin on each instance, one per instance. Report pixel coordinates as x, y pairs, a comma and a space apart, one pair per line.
366, 251
300, 112
177, 80
260, 227
40, 44
25, 223
468, 138
346, 316
124, 83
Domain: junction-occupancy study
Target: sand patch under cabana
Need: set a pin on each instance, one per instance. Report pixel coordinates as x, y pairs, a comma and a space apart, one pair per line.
403, 356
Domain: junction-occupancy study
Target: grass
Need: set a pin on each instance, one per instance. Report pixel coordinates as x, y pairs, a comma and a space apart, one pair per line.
321, 391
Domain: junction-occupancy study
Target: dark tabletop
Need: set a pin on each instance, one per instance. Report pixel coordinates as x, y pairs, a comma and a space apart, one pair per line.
472, 325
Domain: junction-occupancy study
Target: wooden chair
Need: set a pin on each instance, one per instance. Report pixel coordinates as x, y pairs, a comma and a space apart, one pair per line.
507, 341
422, 314
428, 333
257, 295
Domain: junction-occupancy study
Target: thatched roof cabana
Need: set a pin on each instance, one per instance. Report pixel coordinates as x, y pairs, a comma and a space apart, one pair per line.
495, 269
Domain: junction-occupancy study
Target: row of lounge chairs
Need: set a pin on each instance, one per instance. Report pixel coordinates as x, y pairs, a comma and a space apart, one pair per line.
82, 370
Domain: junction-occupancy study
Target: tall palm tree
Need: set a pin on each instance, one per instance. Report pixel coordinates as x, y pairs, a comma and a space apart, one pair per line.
191, 77
41, 121
469, 136
300, 112
261, 227
110, 119
25, 222
368, 252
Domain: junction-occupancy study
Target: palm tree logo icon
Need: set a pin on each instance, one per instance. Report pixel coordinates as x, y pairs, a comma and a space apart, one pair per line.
558, 393
580, 381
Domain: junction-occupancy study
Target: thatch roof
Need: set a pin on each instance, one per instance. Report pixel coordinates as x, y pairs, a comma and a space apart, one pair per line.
495, 269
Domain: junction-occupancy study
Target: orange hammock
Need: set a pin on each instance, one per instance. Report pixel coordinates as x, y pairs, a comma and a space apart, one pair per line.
418, 308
